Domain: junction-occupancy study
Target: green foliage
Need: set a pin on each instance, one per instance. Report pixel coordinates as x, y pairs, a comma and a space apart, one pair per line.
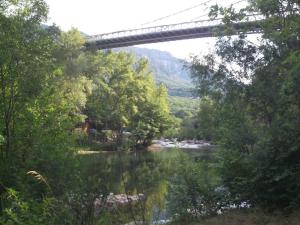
195, 189
167, 70
22, 75
183, 107
188, 129
154, 118
255, 216
2, 140
48, 86
41, 100
126, 97
206, 122
18, 211
250, 107
198, 118
254, 115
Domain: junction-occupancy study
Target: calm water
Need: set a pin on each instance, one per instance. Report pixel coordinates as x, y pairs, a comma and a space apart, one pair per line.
130, 188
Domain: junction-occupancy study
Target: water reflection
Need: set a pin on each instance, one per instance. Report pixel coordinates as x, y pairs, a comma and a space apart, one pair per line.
121, 188
124, 188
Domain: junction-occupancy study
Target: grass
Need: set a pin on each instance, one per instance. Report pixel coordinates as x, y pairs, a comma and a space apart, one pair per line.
248, 217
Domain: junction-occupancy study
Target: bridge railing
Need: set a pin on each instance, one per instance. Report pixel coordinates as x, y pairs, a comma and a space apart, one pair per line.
162, 28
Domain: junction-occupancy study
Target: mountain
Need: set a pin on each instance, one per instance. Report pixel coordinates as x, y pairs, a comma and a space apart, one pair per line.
166, 68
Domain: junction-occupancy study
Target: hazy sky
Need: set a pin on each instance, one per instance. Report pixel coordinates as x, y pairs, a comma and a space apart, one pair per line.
101, 16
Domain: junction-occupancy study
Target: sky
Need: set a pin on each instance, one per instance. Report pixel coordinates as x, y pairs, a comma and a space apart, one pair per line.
102, 16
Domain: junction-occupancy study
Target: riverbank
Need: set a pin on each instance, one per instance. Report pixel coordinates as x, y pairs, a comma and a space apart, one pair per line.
184, 144
158, 145
248, 217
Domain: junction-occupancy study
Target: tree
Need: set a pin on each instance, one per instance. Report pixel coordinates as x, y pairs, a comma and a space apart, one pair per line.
41, 98
25, 58
257, 101
154, 117
126, 97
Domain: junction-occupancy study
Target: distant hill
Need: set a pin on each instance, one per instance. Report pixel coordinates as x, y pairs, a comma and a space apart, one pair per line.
167, 69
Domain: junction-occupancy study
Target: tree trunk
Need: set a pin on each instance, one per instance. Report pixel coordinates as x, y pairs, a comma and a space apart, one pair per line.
7, 139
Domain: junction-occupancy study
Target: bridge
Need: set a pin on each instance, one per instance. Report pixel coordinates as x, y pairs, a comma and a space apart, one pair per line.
195, 28
171, 32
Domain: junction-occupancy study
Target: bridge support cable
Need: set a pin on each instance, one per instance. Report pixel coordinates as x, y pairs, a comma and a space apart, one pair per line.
175, 13
207, 15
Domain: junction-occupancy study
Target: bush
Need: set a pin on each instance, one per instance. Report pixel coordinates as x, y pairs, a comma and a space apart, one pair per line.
195, 189
18, 211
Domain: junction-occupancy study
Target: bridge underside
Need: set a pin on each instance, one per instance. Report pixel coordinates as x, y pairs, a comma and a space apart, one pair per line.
164, 36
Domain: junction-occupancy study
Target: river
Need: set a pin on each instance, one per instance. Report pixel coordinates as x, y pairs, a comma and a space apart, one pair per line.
132, 188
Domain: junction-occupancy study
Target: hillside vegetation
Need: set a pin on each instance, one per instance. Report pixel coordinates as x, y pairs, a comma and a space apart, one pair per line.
167, 69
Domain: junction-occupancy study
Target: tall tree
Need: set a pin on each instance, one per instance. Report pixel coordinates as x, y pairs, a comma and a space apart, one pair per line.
41, 95
25, 58
255, 88
125, 95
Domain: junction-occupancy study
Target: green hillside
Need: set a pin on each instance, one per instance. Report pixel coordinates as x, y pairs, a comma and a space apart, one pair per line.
167, 69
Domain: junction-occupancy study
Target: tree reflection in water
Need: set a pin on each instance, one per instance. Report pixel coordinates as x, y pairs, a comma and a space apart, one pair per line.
120, 188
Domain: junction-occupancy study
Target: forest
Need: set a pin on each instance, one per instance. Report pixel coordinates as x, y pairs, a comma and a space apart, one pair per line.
58, 99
